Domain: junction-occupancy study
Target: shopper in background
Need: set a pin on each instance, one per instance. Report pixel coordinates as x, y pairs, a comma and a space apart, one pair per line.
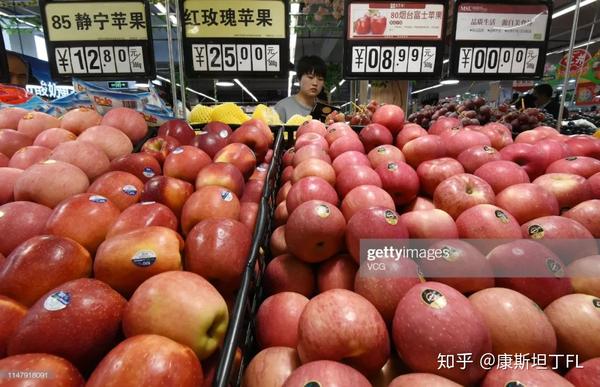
311, 72
18, 69
543, 100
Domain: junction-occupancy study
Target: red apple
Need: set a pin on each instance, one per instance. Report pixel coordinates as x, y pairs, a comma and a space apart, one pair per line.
141, 165
253, 191
33, 123
9, 177
408, 133
141, 215
365, 196
78, 120
587, 213
311, 138
10, 117
486, 221
423, 148
51, 138
338, 130
50, 182
585, 275
366, 350
3, 160
436, 310
432, 172
585, 375
285, 273
474, 157
62, 372
11, 141
263, 127
569, 189
185, 162
287, 174
141, 359
239, 155
225, 175
501, 174
11, 314
26, 157
271, 367
526, 376
311, 151
326, 373
283, 192
73, 304
355, 176
533, 159
373, 223
554, 150
288, 156
112, 141
429, 224
399, 180
498, 134
418, 204
20, 221
169, 191
277, 242
254, 138
310, 188
390, 116
349, 159
90, 158
577, 165
532, 333
160, 147
584, 146
527, 201
281, 214
219, 128
312, 126
179, 130
384, 154
279, 310
210, 143
458, 140
249, 215
594, 184
189, 310
209, 202
346, 144
337, 272
421, 379
442, 124
576, 321
269, 156
374, 135
218, 250
531, 136
461, 192
121, 188
314, 167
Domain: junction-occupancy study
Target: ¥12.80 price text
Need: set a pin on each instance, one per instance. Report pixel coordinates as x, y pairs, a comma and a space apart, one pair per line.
99, 60
480, 60
394, 59
236, 57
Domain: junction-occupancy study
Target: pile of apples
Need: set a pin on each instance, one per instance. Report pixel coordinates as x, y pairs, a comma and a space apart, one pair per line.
327, 321
120, 267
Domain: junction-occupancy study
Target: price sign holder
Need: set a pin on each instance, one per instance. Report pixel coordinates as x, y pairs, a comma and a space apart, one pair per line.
400, 39
4, 74
235, 38
495, 40
99, 39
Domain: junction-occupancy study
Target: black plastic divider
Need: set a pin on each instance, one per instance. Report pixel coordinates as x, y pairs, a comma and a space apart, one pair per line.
241, 320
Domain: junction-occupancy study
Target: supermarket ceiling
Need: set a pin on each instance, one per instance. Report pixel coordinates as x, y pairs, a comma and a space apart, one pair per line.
323, 39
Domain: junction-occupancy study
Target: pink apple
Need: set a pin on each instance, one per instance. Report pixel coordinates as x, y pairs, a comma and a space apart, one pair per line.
429, 224
288, 156
432, 172
422, 379
9, 177
285, 273
10, 117
594, 184
533, 159
26, 157
569, 189
587, 213
279, 310
112, 141
20, 221
500, 174
586, 375
459, 140
498, 134
444, 123
554, 150
312, 126
90, 158
409, 132
399, 180
584, 146
346, 144
486, 221
311, 138
326, 373
531, 136
311, 151
337, 130
33, 123
384, 154
585, 275
418, 204
78, 120
461, 192
129, 121
374, 135
337, 272
281, 214
424, 148
11, 141
476, 156
527, 376
277, 242
51, 138
283, 192
3, 160
577, 165
310, 188
314, 167
365, 196
349, 159
355, 176
271, 367
527, 201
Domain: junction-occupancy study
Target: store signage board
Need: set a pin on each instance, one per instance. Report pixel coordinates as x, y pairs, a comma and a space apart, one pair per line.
98, 39
500, 41
235, 38
394, 40
4, 75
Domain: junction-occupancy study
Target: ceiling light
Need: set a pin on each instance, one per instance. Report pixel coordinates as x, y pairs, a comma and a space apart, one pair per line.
296, 83
187, 88
173, 19
427, 88
446, 61
161, 8
333, 90
225, 84
240, 84
342, 82
572, 80
450, 82
571, 8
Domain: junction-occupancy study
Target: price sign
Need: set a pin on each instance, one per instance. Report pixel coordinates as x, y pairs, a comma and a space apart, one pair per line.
236, 38
497, 41
98, 39
394, 40
4, 74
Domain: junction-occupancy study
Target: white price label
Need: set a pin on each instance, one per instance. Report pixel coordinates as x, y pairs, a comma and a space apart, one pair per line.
92, 58
136, 59
63, 60
414, 59
244, 57
107, 56
496, 60
518, 64
479, 55
78, 60
199, 60
373, 59
273, 57
401, 60
387, 60
359, 55
428, 62
99, 60
531, 60
492, 60
229, 57
505, 64
259, 62
236, 57
122, 59
397, 59
214, 57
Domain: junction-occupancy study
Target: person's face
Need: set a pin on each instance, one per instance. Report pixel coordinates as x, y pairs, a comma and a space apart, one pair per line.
311, 84
17, 71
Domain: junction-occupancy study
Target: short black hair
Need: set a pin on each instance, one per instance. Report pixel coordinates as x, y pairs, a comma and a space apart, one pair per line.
544, 89
311, 65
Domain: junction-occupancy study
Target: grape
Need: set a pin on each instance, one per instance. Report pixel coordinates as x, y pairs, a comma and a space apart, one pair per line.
533, 120
523, 118
425, 123
465, 122
468, 104
474, 121
471, 114
478, 101
485, 109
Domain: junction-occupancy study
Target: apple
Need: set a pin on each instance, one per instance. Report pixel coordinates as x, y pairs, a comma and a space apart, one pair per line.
527, 201
366, 350
486, 221
432, 309
271, 367
569, 189
390, 116
288, 156
312, 126
219, 128
141, 165
11, 141
314, 167
338, 130
225, 175
90, 158
444, 123
531, 269
260, 124
185, 162
594, 184
409, 132
345, 144
11, 314
121, 188
555, 150
141, 215
253, 191
418, 204
459, 140
269, 156
532, 333
461, 192
311, 151
283, 192
281, 214
254, 137
326, 373
218, 250
9, 177
429, 224
141, 359
311, 138
365, 196
277, 242
20, 221
585, 276
26, 157
498, 134
112, 141
189, 310
531, 136
129, 121
249, 215
399, 180
286, 273
51, 138
576, 321
384, 154
310, 188
62, 372
422, 379
577, 165
337, 272
3, 161
432, 172
385, 290
210, 143
587, 213
169, 191
279, 310
209, 202
526, 376
533, 159
501, 174
476, 156
374, 135
10, 117
33, 123
179, 130
583, 146
287, 174
50, 182
586, 374
160, 147
423, 148
354, 176
78, 120
349, 159
79, 305
239, 155
373, 223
